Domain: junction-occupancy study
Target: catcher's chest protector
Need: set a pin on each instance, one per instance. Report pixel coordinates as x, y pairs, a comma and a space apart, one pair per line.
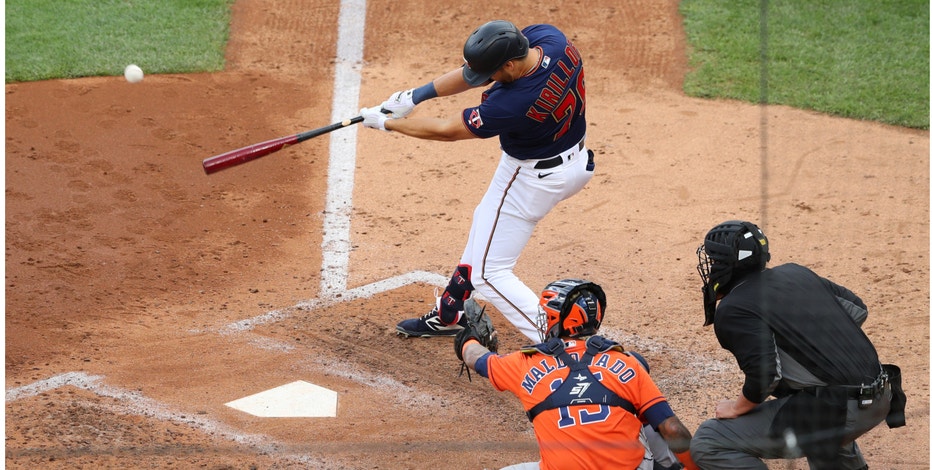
581, 387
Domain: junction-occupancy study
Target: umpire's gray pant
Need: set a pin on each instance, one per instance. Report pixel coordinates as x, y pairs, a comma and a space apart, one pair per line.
741, 443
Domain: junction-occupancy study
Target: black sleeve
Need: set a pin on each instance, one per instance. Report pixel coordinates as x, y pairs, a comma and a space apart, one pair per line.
752, 343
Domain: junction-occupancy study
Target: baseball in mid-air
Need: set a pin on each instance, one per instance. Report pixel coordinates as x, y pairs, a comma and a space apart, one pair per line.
132, 73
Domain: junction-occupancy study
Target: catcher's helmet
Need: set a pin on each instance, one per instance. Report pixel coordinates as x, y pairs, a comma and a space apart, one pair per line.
489, 47
731, 250
573, 308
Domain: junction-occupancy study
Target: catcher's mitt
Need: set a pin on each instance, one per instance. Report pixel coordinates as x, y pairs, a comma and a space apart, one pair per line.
478, 327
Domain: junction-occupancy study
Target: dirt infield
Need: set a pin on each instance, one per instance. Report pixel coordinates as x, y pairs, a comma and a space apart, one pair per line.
142, 295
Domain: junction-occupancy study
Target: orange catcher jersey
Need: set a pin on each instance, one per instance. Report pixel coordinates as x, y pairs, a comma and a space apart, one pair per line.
590, 436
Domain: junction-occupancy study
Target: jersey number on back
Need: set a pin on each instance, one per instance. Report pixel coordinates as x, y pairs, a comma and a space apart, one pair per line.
574, 100
584, 414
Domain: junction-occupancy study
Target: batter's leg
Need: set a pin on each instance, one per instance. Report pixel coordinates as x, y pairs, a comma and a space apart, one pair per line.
446, 318
517, 199
457, 291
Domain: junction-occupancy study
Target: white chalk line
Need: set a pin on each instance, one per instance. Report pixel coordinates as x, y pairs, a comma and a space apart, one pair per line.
363, 292
132, 402
342, 166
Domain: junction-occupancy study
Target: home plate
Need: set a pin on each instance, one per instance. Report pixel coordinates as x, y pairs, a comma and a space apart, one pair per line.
295, 400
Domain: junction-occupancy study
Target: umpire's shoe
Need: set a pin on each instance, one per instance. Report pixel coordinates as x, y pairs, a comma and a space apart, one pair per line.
429, 325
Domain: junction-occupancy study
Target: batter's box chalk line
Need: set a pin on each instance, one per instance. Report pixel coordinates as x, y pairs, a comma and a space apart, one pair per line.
363, 292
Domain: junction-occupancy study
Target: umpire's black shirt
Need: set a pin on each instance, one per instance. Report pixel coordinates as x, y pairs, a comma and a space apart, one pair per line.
788, 317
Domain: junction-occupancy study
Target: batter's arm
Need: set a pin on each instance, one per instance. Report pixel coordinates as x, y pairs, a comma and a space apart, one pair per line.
442, 129
451, 83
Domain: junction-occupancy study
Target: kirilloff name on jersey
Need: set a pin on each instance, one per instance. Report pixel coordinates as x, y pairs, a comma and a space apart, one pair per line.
562, 96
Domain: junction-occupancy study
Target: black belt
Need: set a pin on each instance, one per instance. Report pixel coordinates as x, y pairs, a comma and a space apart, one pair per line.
558, 160
857, 392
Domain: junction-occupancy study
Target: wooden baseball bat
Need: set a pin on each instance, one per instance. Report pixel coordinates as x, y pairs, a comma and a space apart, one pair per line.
254, 151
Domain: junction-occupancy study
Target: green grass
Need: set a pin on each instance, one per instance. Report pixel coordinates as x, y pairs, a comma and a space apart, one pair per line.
861, 59
48, 39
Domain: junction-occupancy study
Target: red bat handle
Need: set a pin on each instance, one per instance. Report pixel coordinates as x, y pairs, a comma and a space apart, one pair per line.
252, 152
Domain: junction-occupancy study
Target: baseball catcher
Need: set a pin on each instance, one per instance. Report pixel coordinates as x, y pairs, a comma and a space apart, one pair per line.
587, 398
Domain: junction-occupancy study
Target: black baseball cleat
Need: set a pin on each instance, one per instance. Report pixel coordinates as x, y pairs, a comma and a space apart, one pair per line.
428, 325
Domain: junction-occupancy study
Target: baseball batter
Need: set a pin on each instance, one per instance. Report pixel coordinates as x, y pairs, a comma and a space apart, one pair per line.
536, 107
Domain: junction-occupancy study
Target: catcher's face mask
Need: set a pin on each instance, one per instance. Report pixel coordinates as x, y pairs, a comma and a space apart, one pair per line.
542, 323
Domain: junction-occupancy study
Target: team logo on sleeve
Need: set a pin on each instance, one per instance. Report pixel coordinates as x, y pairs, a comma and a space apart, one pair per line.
475, 120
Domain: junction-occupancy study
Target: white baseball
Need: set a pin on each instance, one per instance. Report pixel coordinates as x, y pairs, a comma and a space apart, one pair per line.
132, 73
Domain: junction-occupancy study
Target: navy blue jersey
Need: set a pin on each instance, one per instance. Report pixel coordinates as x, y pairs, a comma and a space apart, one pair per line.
543, 113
